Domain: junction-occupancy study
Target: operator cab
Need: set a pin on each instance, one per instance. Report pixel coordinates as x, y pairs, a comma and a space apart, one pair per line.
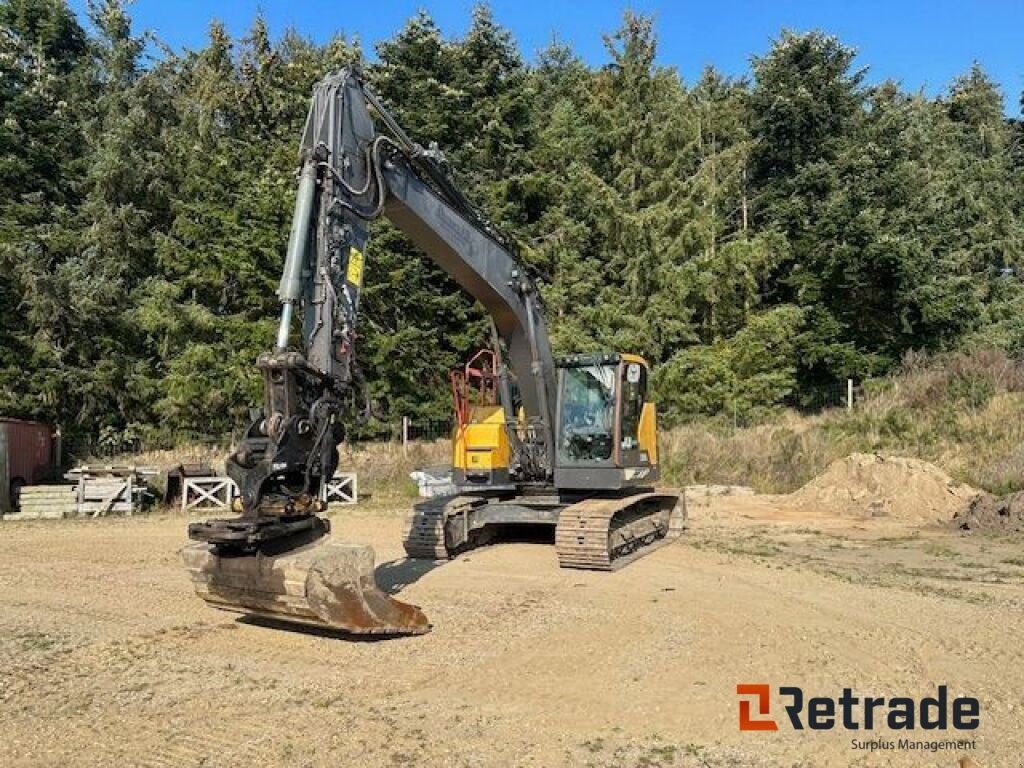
606, 432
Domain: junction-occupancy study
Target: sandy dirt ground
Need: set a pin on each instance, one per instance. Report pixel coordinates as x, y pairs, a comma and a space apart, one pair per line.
110, 660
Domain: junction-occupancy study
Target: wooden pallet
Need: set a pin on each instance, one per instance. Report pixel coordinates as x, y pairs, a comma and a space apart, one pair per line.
110, 470
99, 496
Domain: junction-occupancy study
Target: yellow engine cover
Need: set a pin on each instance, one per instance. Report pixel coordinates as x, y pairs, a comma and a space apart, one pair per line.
482, 444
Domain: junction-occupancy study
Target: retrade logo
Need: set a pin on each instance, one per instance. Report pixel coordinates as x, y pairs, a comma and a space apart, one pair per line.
853, 713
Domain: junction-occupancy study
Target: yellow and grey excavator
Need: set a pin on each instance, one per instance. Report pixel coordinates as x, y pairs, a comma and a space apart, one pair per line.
570, 444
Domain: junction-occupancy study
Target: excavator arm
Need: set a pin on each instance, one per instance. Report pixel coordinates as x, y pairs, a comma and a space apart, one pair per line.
350, 175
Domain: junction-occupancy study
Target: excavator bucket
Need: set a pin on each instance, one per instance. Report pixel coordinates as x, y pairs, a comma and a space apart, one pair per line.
325, 584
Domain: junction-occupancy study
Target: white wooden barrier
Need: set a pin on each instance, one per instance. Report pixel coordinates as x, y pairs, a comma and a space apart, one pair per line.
218, 492
109, 489
207, 492
99, 496
341, 489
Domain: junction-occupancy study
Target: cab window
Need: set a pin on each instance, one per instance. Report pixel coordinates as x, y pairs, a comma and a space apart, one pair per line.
634, 392
588, 413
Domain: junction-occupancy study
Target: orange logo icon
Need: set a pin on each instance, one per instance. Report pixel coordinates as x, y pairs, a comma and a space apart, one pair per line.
763, 693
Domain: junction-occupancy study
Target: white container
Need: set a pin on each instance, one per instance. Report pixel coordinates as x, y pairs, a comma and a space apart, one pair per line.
434, 481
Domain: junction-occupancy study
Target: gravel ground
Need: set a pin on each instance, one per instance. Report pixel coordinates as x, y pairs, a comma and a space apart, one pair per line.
109, 659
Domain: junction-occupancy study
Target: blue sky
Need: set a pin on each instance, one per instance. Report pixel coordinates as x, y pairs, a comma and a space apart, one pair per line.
923, 44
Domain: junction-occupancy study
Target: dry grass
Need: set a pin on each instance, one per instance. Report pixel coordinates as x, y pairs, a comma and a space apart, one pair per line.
964, 413
772, 458
383, 468
193, 453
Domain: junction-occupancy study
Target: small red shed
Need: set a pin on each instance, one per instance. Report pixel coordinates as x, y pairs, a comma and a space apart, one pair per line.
26, 457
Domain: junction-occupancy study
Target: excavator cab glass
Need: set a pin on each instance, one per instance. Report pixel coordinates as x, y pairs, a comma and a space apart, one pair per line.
607, 424
633, 399
588, 413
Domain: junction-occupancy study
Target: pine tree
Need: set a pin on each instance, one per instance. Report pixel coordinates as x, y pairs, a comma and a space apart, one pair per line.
806, 106
46, 86
466, 96
211, 308
126, 202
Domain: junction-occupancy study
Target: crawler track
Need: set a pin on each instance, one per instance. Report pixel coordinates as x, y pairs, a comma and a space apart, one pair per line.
606, 534
425, 537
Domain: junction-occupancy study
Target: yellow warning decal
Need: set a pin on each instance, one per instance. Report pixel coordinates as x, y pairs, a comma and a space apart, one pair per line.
355, 267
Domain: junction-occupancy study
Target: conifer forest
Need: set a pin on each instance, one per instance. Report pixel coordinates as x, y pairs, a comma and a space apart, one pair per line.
753, 238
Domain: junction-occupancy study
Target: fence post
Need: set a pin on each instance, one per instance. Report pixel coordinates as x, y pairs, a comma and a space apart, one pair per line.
405, 434
58, 449
849, 394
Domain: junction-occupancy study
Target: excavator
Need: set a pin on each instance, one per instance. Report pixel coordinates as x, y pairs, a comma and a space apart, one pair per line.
568, 443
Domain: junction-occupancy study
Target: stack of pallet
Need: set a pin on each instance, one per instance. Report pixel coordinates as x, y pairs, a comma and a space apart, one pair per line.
99, 496
39, 502
111, 489
96, 491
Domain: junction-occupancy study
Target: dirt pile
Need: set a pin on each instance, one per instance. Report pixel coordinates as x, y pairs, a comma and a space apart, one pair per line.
989, 513
867, 485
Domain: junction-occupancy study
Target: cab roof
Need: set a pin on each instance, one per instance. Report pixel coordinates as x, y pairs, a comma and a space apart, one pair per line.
597, 358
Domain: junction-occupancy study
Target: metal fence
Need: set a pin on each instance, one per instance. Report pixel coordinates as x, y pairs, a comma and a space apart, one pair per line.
835, 394
426, 430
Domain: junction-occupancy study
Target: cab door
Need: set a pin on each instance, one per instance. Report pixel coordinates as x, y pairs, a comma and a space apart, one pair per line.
631, 447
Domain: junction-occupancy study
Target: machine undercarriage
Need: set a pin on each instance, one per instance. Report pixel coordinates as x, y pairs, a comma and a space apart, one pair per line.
590, 532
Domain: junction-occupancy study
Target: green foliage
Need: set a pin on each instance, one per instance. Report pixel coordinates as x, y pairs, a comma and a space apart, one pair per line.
696, 382
752, 239
739, 377
45, 92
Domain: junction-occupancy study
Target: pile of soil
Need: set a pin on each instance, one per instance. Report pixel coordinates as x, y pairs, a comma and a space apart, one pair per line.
868, 485
989, 513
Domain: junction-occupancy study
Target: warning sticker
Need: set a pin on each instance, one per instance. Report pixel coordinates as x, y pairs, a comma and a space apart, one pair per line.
355, 267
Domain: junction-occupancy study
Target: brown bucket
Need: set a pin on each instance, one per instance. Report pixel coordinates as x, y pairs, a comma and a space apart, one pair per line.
326, 583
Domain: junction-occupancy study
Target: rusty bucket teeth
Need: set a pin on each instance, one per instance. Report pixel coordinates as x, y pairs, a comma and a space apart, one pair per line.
326, 584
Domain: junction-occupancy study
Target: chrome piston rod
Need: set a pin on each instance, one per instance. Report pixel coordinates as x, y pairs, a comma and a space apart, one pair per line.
290, 289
